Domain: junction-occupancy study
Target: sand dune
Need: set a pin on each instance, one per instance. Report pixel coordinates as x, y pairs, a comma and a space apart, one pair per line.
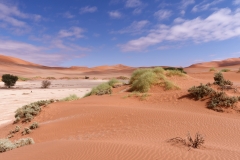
120, 127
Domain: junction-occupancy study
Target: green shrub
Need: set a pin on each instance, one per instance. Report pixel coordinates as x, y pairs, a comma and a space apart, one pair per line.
225, 70
101, 89
144, 81
220, 100
212, 69
200, 92
6, 144
9, 80
219, 80
71, 97
27, 112
113, 81
34, 125
136, 74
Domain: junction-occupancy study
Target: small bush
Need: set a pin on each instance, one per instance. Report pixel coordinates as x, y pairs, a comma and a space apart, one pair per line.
17, 129
173, 68
23, 142
168, 85
46, 84
86, 77
113, 81
101, 89
144, 82
219, 80
71, 97
225, 70
220, 99
9, 80
189, 141
26, 131
200, 92
34, 125
212, 69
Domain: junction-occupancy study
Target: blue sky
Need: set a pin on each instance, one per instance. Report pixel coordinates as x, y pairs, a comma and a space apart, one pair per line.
130, 32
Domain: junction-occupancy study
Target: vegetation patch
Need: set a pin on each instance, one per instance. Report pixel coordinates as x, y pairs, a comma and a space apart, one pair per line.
23, 78
7, 145
34, 125
212, 69
27, 112
46, 83
173, 68
225, 70
199, 92
171, 73
71, 97
26, 131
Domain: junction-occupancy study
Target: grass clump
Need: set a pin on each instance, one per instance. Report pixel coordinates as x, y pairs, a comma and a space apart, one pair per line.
144, 81
173, 68
113, 81
23, 78
71, 97
168, 85
7, 145
200, 92
171, 73
27, 112
136, 74
225, 70
101, 89
26, 131
158, 70
212, 69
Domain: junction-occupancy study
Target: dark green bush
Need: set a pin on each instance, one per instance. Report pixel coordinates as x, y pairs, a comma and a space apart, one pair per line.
9, 80
34, 125
200, 92
173, 68
221, 100
219, 80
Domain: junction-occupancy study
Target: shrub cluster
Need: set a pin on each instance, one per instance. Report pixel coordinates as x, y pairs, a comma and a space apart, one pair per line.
219, 80
34, 125
71, 97
46, 83
26, 131
6, 144
27, 112
225, 70
173, 68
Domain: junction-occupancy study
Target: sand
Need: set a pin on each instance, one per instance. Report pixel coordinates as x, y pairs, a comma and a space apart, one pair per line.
120, 127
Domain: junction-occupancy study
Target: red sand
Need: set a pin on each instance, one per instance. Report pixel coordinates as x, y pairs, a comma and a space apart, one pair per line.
116, 127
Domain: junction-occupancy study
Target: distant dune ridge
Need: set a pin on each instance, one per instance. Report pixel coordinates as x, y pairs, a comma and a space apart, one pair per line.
223, 63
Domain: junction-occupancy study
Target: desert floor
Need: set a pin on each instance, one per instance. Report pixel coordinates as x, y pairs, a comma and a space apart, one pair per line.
121, 126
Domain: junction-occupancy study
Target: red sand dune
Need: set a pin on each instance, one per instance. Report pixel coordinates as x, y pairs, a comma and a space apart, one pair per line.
120, 127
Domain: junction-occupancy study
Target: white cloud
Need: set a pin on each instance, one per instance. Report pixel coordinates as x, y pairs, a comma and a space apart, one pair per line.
162, 14
135, 28
133, 3
72, 32
220, 25
205, 6
68, 15
186, 3
88, 9
137, 11
115, 14
236, 2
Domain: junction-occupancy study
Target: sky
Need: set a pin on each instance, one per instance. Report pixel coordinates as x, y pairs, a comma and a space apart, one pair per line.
129, 32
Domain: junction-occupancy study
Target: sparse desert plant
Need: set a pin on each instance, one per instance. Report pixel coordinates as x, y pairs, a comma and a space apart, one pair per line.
34, 125
200, 92
173, 68
122, 78
86, 77
197, 142
26, 131
17, 129
225, 70
221, 100
9, 80
22, 78
50, 78
7, 145
46, 83
71, 97
212, 69
113, 81
219, 80
144, 81
27, 112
